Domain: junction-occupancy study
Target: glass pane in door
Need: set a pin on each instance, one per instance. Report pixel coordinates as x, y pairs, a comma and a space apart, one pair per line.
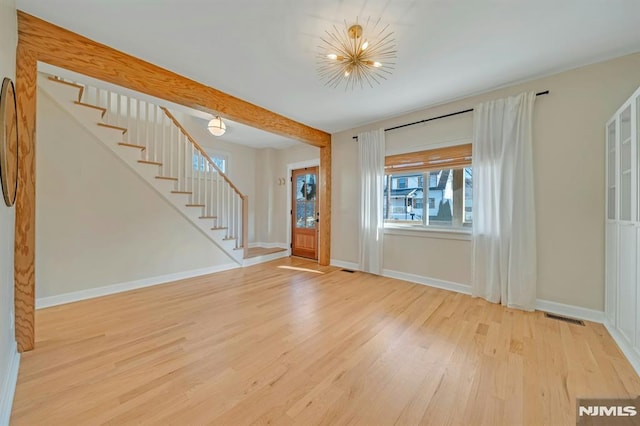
625, 164
611, 171
306, 201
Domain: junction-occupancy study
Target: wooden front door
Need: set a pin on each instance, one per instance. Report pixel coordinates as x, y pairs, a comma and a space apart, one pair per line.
304, 213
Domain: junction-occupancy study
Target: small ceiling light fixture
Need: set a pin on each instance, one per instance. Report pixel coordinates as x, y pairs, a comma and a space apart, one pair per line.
356, 55
216, 126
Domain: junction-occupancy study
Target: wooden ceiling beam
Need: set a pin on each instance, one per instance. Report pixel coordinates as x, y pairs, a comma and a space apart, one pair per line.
65, 49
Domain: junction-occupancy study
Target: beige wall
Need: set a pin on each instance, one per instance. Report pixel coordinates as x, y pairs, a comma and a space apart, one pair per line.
8, 40
569, 178
267, 186
97, 222
273, 196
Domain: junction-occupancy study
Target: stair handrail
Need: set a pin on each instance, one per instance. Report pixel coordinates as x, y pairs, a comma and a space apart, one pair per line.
202, 151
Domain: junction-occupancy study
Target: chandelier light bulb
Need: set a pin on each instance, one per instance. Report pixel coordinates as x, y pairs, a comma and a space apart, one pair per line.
332, 56
377, 64
365, 45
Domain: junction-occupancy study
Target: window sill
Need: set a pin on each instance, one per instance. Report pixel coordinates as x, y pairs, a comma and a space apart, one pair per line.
423, 232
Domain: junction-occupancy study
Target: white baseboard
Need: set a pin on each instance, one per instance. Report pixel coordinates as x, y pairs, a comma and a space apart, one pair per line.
8, 388
627, 350
570, 311
347, 265
61, 299
269, 245
431, 282
541, 305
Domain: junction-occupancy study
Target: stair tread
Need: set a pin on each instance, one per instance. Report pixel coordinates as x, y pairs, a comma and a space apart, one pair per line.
68, 83
155, 163
194, 205
181, 192
208, 217
229, 238
217, 229
131, 145
104, 110
167, 178
111, 126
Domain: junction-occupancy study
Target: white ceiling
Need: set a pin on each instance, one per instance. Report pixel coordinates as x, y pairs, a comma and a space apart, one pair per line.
265, 51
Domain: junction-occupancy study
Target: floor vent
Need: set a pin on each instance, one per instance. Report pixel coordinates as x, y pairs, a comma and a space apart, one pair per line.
347, 270
565, 319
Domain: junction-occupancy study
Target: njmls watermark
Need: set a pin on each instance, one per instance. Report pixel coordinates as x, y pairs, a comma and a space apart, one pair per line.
608, 412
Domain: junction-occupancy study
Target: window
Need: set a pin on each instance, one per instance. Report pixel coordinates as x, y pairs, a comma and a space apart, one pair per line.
414, 177
220, 160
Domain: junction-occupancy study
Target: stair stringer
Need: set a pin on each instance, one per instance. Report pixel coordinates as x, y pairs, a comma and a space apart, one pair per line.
64, 96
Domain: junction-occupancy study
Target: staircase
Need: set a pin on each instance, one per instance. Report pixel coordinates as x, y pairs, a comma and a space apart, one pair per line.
150, 140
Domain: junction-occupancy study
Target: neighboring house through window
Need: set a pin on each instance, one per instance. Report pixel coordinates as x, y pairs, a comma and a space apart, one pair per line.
443, 177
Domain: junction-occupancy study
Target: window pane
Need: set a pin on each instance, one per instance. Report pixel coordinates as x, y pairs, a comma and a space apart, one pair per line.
221, 163
404, 202
200, 162
196, 159
441, 190
446, 202
468, 195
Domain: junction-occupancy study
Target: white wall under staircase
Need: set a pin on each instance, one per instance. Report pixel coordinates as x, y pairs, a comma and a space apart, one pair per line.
98, 223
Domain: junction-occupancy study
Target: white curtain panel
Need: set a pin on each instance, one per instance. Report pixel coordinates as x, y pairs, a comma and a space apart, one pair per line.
371, 162
504, 228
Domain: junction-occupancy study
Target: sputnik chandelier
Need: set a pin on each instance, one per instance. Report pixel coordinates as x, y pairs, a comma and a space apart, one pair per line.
356, 54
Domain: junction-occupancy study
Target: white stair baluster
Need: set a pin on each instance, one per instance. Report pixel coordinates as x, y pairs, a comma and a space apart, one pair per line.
108, 116
207, 201
238, 220
219, 200
196, 174
201, 166
171, 158
138, 129
128, 136
189, 166
185, 162
154, 134
147, 140
180, 161
163, 145
228, 203
233, 214
119, 109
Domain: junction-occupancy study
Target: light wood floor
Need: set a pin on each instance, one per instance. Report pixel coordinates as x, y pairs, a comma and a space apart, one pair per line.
262, 251
289, 342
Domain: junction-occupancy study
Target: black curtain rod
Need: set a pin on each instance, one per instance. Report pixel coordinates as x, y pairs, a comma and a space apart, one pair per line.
546, 92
